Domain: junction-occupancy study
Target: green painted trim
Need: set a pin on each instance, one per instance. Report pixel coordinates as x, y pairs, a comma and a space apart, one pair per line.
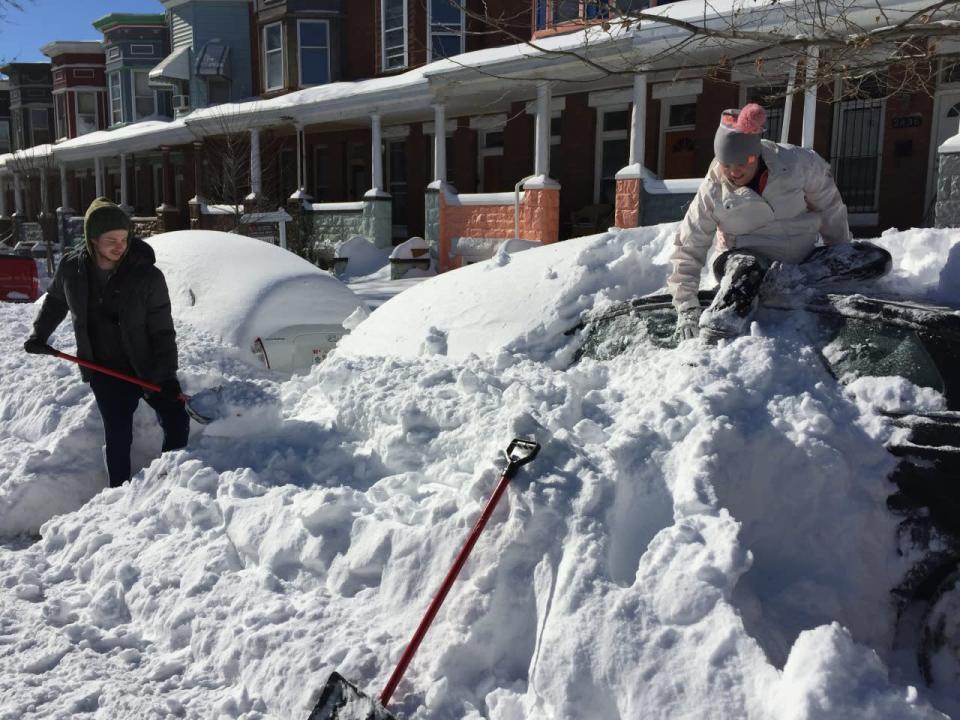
108, 22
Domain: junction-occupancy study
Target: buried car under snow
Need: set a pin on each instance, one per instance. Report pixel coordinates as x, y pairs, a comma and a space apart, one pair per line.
860, 336
285, 311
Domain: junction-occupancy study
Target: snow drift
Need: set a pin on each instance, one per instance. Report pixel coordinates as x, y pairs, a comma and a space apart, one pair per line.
704, 533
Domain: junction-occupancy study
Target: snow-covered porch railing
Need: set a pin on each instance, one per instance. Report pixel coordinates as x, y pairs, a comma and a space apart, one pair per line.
329, 225
645, 199
488, 219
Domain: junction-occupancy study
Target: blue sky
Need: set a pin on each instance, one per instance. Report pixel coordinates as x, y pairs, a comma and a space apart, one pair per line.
22, 34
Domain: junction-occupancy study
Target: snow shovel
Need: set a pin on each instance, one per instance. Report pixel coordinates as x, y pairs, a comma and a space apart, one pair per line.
191, 403
342, 700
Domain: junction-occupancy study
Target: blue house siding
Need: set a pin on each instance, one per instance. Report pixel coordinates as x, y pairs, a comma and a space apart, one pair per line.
225, 23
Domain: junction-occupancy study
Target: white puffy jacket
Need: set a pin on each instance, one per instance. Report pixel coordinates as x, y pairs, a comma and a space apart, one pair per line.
799, 203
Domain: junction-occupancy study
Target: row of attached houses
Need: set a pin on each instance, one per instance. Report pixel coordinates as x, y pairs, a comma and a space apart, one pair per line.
393, 118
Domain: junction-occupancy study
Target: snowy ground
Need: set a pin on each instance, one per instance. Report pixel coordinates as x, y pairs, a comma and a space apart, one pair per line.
704, 533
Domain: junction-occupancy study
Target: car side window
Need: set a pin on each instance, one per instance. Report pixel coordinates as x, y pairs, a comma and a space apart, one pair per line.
868, 348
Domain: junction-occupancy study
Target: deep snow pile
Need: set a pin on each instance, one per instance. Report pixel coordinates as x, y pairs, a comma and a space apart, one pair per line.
703, 535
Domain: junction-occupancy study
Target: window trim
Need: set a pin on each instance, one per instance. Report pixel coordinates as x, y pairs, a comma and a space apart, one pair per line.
266, 68
300, 23
601, 136
462, 34
383, 37
116, 112
60, 103
134, 51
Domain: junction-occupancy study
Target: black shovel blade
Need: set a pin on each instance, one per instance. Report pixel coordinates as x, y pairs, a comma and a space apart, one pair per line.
342, 700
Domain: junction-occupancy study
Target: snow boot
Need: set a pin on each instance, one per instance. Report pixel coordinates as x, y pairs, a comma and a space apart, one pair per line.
849, 262
741, 275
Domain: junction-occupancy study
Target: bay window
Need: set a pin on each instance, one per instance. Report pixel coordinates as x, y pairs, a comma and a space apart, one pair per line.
314, 42
445, 25
273, 56
394, 40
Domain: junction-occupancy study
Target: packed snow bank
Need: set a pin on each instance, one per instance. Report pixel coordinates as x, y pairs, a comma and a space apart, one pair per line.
238, 288
550, 287
704, 533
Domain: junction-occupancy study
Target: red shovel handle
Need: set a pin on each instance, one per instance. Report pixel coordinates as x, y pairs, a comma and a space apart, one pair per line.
518, 453
116, 373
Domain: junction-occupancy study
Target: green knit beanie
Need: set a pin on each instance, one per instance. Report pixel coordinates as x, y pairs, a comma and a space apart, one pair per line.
102, 217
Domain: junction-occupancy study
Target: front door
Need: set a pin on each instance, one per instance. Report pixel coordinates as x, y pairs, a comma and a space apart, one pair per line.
678, 159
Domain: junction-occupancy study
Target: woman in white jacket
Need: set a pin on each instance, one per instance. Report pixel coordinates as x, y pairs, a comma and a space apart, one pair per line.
763, 202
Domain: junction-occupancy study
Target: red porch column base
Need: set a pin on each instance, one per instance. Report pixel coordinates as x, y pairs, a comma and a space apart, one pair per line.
627, 214
540, 215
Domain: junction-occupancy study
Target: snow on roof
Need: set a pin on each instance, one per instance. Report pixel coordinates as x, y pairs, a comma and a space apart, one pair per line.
238, 288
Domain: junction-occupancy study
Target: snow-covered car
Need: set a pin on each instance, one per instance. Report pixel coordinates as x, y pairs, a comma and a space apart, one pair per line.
282, 309
860, 337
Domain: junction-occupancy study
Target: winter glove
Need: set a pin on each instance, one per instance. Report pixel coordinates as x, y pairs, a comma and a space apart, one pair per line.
36, 346
688, 324
170, 390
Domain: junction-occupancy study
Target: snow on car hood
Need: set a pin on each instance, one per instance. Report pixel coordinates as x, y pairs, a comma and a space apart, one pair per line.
238, 288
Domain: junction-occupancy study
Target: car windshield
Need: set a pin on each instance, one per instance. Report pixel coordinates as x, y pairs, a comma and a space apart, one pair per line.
851, 347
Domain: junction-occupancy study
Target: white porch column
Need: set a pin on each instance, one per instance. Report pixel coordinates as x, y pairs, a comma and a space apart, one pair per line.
439, 143
301, 163
256, 172
123, 182
788, 102
810, 96
17, 195
638, 120
64, 190
541, 157
3, 197
44, 192
376, 147
98, 176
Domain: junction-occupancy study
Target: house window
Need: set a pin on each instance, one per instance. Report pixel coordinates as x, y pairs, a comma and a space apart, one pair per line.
40, 126
141, 49
613, 151
113, 53
116, 99
273, 56
314, 42
445, 28
61, 103
394, 13
86, 112
144, 102
83, 74
565, 10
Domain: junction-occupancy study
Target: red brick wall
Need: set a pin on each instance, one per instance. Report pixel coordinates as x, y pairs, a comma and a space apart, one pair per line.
518, 145
418, 177
363, 48
717, 96
572, 162
905, 153
464, 160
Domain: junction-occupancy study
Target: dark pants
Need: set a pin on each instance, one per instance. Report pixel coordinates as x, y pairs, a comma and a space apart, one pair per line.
742, 272
117, 401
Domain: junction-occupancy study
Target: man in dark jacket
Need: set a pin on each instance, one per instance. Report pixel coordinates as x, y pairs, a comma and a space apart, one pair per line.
118, 301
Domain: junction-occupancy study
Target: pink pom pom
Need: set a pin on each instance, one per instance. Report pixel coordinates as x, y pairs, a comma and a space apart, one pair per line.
752, 119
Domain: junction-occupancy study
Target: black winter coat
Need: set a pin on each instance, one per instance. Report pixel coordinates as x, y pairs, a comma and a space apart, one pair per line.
146, 325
